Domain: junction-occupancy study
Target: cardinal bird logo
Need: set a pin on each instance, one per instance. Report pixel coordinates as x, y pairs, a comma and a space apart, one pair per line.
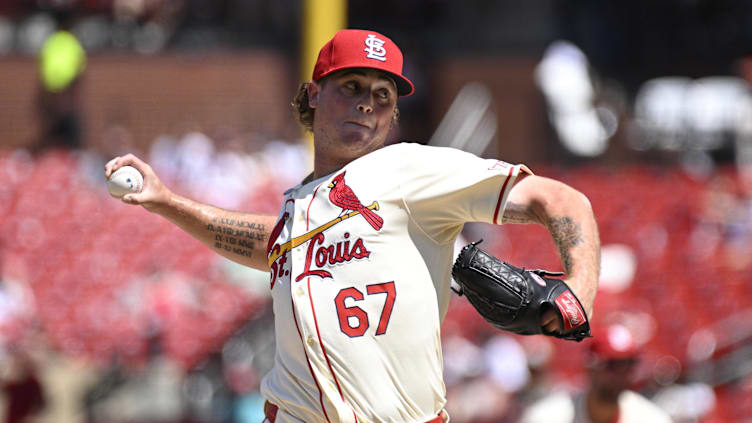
343, 196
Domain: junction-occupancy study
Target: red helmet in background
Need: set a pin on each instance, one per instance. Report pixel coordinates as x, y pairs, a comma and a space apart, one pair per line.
613, 342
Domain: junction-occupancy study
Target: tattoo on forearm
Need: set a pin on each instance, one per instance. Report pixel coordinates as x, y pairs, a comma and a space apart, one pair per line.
236, 236
514, 213
566, 234
514, 218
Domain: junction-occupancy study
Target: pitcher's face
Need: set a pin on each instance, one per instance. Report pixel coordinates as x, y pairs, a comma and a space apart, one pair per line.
354, 112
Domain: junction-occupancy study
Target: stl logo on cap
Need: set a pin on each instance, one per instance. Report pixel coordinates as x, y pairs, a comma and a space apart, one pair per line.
375, 48
345, 51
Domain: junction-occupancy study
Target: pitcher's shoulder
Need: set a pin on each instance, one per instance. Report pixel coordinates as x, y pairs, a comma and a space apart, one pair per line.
411, 152
415, 147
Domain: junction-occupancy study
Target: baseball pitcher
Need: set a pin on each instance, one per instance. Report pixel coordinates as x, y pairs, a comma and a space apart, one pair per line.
360, 255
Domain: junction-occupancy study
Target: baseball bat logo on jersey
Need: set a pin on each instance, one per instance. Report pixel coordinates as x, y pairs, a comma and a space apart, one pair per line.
343, 251
343, 196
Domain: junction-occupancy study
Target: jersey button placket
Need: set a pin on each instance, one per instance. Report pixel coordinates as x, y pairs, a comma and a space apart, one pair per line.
298, 291
297, 228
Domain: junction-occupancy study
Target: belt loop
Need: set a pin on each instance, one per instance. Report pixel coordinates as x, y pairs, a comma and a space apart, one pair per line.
270, 411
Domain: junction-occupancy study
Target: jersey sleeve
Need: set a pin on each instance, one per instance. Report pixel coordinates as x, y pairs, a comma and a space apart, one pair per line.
444, 188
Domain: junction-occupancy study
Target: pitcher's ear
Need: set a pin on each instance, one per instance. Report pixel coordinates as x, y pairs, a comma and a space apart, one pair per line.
314, 89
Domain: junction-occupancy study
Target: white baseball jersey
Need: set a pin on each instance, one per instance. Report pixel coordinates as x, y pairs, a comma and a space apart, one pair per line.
562, 408
360, 273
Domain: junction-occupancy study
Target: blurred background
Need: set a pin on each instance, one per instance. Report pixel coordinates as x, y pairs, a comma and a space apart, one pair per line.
110, 314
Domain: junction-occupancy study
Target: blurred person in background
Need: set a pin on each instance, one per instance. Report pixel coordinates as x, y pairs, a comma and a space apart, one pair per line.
156, 388
484, 376
325, 368
610, 363
61, 61
21, 387
539, 353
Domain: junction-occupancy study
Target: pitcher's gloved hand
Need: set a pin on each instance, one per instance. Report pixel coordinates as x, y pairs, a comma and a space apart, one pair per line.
515, 299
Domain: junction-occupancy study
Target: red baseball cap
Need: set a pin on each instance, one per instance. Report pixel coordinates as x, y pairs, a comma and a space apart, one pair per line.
357, 48
614, 342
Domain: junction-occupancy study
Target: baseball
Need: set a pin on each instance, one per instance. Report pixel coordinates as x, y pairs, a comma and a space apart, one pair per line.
125, 180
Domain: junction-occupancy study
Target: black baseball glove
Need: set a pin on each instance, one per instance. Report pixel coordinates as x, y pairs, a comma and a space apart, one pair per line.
514, 299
